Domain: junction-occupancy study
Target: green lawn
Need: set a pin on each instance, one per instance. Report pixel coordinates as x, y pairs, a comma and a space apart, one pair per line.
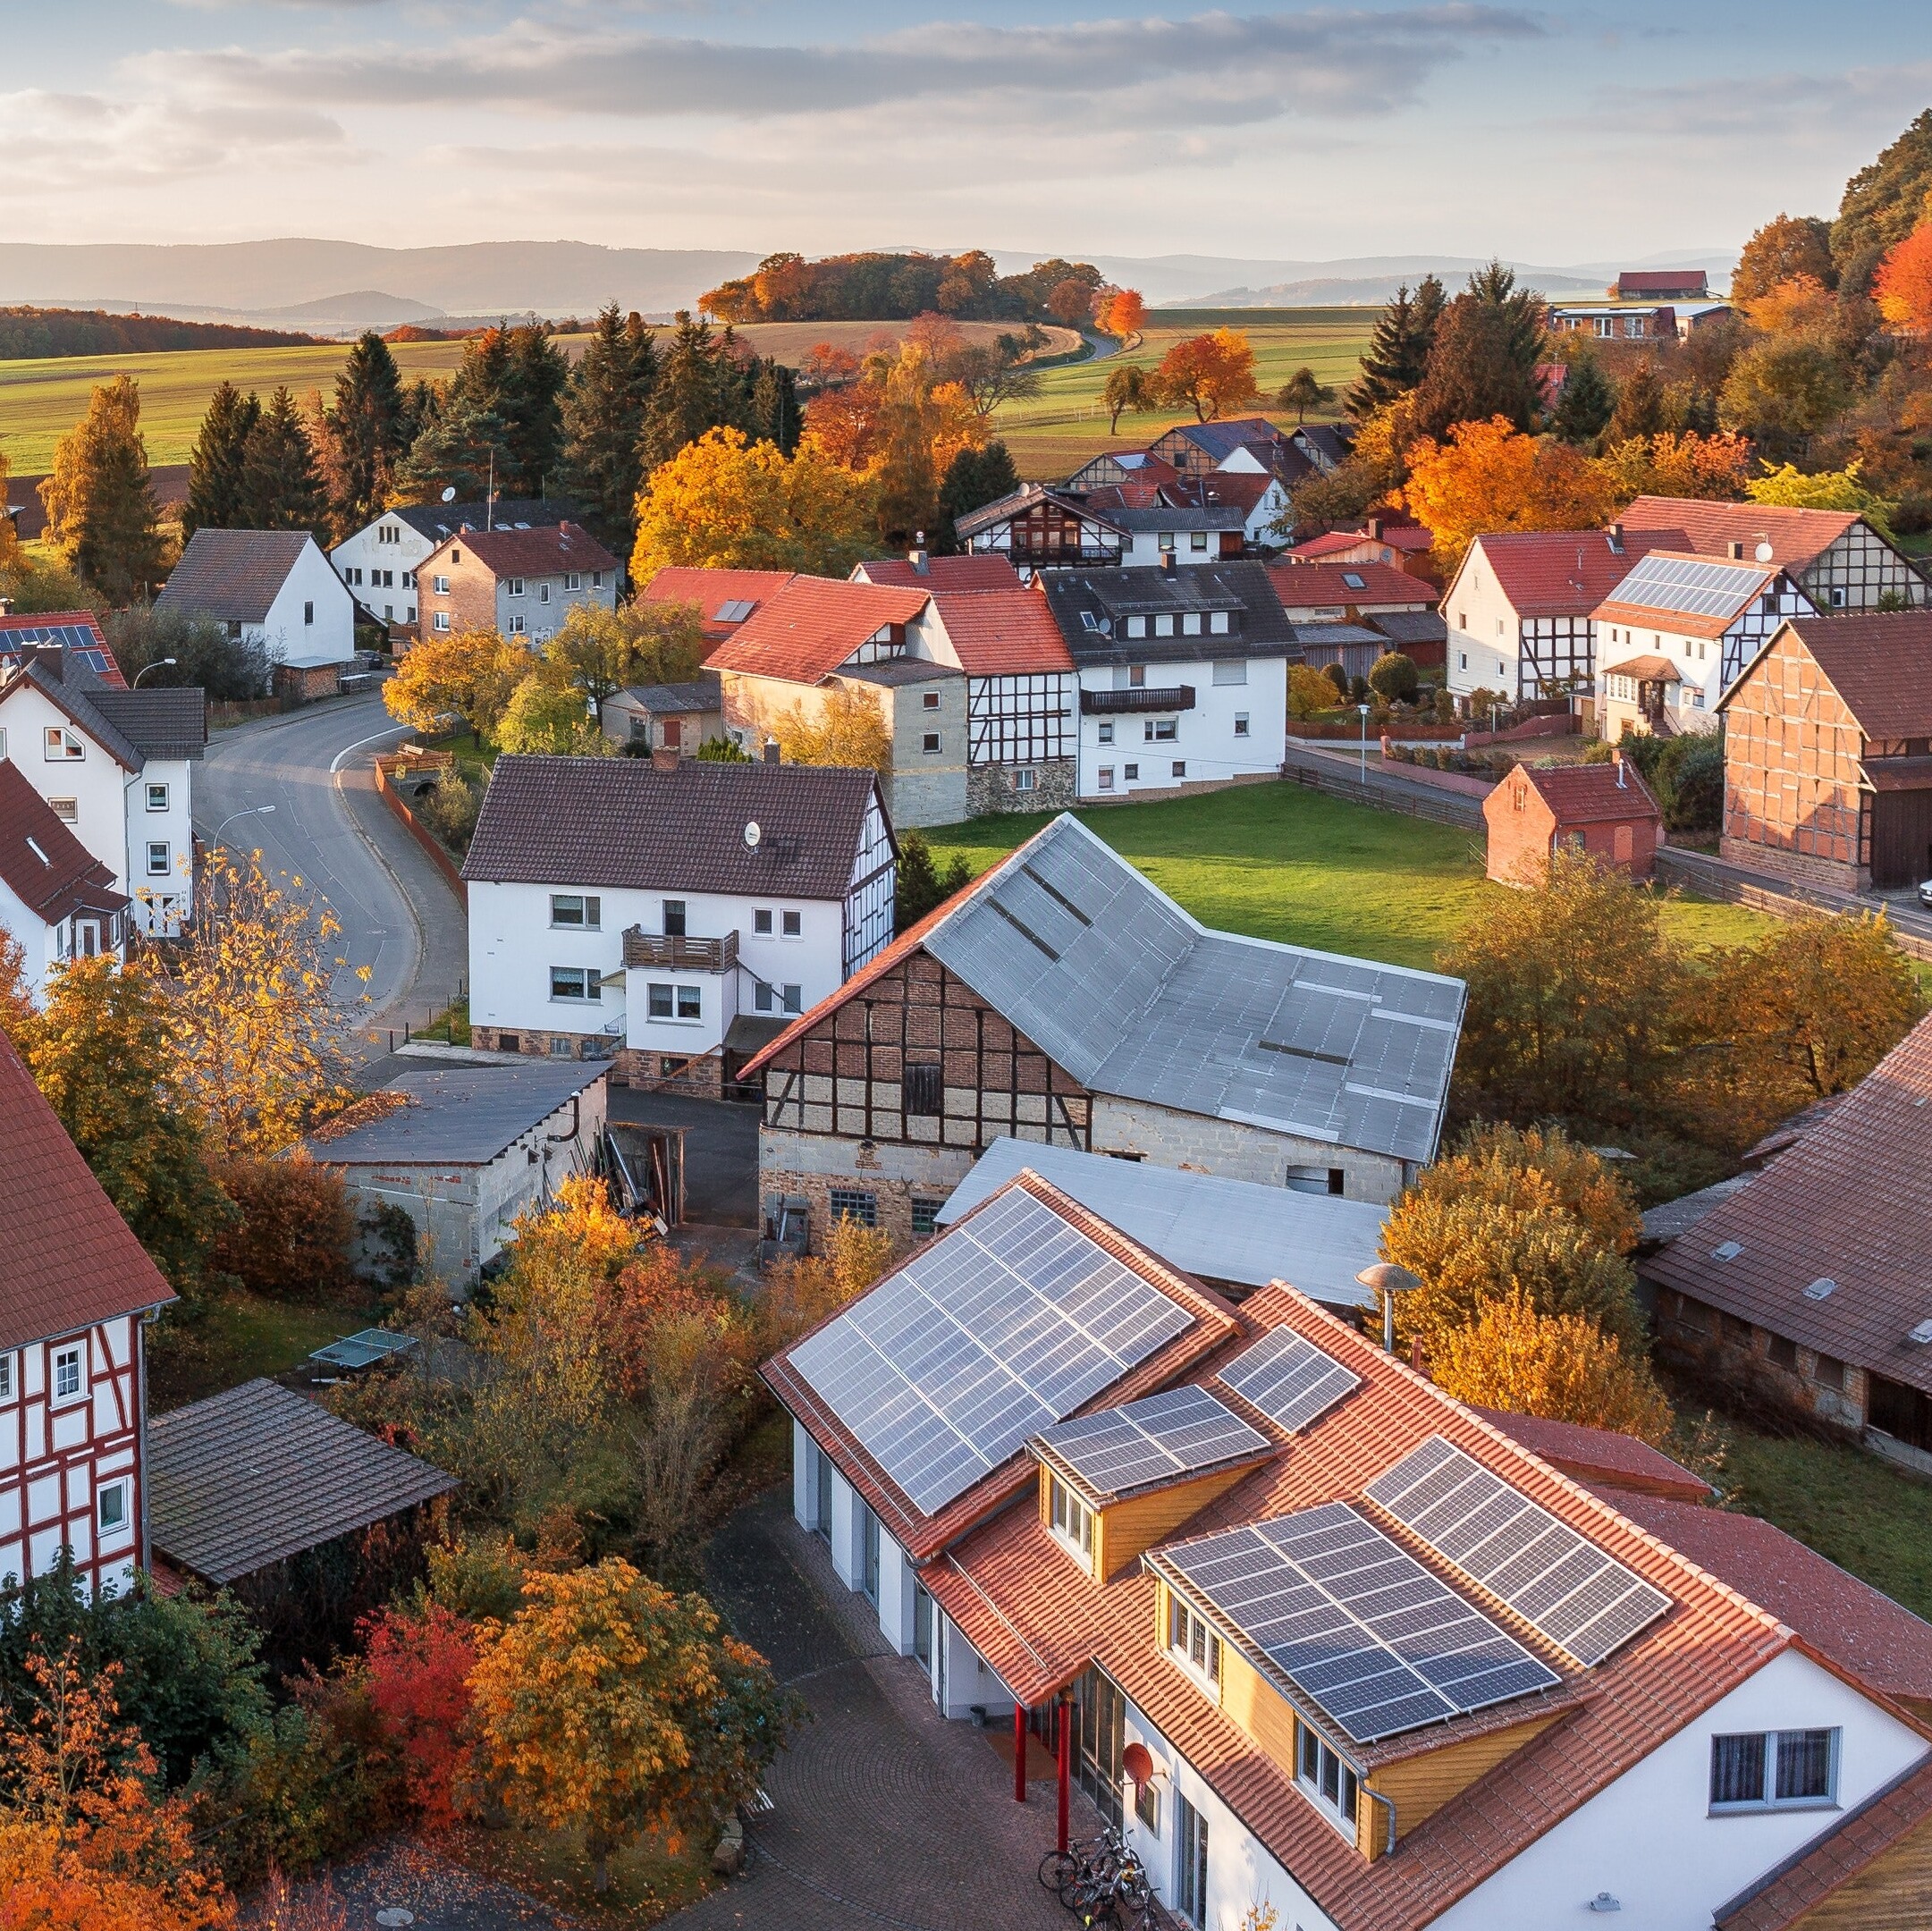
239, 1339
1052, 433
1282, 861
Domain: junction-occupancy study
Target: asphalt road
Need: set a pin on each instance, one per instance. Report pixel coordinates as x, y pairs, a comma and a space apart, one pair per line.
331, 830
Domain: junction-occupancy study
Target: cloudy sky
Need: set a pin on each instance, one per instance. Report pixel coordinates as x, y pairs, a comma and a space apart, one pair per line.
1081, 126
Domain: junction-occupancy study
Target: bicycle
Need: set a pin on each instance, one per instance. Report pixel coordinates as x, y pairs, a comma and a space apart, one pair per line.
1120, 1899
1060, 1870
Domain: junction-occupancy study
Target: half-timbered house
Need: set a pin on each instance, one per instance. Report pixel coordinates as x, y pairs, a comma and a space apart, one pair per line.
1042, 528
1065, 998
75, 1289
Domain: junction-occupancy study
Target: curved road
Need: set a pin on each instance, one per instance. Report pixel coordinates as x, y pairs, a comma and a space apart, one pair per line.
331, 830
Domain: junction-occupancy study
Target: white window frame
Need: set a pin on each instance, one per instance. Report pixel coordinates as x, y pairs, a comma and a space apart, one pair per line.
1230, 671
589, 911
1071, 1521
443, 587
10, 1387
516, 625
60, 746
513, 586
1185, 1626
161, 849
791, 925
155, 791
1241, 723
1314, 1755
442, 619
791, 997
592, 994
120, 1487
1104, 731
58, 1359
1773, 1742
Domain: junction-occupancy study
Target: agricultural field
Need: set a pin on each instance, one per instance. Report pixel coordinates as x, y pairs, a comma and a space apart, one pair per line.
1052, 433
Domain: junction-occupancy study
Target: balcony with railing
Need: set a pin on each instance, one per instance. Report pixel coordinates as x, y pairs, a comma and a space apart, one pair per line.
665, 953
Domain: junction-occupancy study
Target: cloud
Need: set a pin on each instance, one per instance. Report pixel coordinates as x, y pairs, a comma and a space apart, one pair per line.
1242, 68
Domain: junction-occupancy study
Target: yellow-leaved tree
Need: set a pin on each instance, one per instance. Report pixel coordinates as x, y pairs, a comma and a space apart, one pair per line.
845, 730
470, 674
1488, 475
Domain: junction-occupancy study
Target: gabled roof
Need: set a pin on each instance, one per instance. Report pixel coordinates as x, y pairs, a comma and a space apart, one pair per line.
623, 823
1405, 629
72, 688
1090, 604
160, 720
465, 1115
1601, 1457
1826, 1246
1304, 585
1001, 633
1408, 538
1583, 794
41, 862
234, 575
716, 591
1797, 537
76, 632
980, 569
1879, 662
1220, 439
1661, 281
67, 1258
439, 521
545, 552
1556, 573
1690, 594
1006, 508
705, 692
805, 630
1130, 996
1645, 669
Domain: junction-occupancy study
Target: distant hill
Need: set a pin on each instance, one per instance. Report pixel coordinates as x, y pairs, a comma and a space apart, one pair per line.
27, 334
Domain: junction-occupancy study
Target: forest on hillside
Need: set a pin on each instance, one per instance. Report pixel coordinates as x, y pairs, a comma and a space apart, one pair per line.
27, 334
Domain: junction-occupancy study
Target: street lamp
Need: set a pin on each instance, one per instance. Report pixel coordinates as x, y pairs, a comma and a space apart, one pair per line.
159, 663
1363, 709
1388, 1280
257, 811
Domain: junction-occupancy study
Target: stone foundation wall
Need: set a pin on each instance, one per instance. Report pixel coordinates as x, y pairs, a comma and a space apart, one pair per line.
1802, 868
544, 1044
989, 788
808, 1166
701, 1077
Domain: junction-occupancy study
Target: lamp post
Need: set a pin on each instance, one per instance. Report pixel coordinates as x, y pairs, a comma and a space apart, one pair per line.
159, 663
256, 811
1388, 1280
1364, 710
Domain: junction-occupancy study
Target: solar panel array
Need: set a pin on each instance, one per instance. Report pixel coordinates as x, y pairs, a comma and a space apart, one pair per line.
1376, 1642
1288, 1379
1165, 1436
1562, 1585
82, 639
1696, 587
998, 1330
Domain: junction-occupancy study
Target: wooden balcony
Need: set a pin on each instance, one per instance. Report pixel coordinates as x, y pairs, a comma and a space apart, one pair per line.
680, 955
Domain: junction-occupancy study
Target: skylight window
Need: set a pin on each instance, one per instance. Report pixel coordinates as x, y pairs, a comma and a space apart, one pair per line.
1355, 581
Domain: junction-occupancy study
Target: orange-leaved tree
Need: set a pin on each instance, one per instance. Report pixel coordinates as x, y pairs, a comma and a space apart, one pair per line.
1713, 467
1488, 475
610, 1707
846, 729
468, 674
1121, 313
1211, 374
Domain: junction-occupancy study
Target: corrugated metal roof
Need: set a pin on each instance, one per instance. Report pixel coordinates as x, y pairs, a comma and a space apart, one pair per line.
1223, 1230
1117, 984
461, 1115
257, 1474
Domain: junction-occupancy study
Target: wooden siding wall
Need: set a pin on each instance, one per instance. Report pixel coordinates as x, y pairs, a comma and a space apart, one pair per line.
1126, 1530
1256, 1706
1419, 1786
844, 1076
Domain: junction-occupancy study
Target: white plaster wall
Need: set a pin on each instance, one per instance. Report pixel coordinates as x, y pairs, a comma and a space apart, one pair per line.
175, 827
897, 1578
1482, 655
93, 781
394, 602
970, 1681
1205, 737
804, 1500
289, 638
1649, 1839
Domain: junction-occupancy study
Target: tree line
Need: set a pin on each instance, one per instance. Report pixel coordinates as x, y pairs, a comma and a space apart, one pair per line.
29, 334
885, 287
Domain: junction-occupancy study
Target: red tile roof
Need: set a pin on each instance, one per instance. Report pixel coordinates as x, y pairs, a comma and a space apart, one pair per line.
1589, 794
1848, 1204
46, 867
1407, 538
1798, 538
67, 1258
981, 570
547, 552
1556, 573
77, 629
1879, 662
999, 633
1658, 669
807, 629
1300, 584
1600, 1456
711, 589
1039, 1619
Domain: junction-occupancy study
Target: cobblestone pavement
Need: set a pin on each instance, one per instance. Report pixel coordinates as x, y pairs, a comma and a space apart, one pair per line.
884, 1813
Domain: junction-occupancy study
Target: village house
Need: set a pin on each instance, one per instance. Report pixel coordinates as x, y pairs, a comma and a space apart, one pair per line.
1403, 546
1809, 1275
669, 915
1064, 998
1326, 1646
272, 589
1390, 610
76, 1292
57, 900
380, 560
1622, 322
671, 718
1606, 810
467, 1149
1834, 557
520, 583
1238, 444
1183, 676
76, 632
1326, 445
1827, 753
1676, 633
1661, 284
115, 766
722, 598
1041, 529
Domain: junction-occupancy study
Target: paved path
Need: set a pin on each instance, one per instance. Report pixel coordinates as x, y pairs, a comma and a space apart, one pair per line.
885, 1813
332, 829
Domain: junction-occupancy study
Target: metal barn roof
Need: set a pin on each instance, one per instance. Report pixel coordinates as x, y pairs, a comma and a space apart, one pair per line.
461, 1115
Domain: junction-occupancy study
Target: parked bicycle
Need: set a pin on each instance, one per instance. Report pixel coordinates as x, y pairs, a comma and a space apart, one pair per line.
1102, 1882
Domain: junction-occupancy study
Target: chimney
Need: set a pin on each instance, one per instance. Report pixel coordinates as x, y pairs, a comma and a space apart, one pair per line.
1735, 546
6, 606
771, 751
1168, 562
1622, 777
1373, 531
664, 757
1616, 534
917, 559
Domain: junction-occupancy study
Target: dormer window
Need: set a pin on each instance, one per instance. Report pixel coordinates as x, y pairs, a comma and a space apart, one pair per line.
1072, 1520
1136, 627
1192, 1644
1327, 1780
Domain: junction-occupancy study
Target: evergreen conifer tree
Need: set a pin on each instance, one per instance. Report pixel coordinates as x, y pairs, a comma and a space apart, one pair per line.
101, 510
1639, 406
1588, 401
216, 496
603, 412
1398, 351
973, 479
689, 397
531, 394
775, 416
366, 434
280, 485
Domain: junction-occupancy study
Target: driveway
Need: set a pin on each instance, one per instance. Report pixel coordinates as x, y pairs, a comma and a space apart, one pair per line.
330, 828
883, 1813
721, 1151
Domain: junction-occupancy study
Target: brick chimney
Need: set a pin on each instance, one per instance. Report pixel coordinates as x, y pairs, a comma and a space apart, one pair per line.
1374, 530
664, 757
1168, 563
771, 751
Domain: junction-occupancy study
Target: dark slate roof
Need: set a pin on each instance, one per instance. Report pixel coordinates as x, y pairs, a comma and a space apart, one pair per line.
1139, 519
259, 1473
46, 867
1330, 439
233, 574
1110, 595
463, 1115
1220, 439
621, 822
437, 520
164, 721
1403, 628
67, 1258
705, 692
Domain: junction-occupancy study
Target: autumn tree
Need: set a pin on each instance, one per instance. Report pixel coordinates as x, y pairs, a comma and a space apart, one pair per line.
1824, 489
1121, 313
1397, 354
1488, 477
1211, 374
1128, 387
1784, 393
1309, 693
602, 652
1902, 285
1483, 361
1714, 467
470, 673
800, 1291
846, 728
217, 495
416, 1667
1302, 393
548, 715
295, 1228
608, 1706
258, 1037
1884, 201
1561, 1367
102, 515
1786, 247
726, 503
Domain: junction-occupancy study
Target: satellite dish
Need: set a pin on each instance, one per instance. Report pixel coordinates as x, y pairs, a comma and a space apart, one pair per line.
1763, 551
752, 835
448, 494
1138, 1761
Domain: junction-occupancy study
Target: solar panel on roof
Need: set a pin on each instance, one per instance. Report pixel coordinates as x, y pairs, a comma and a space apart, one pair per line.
1002, 1328
1562, 1584
1288, 1379
1375, 1641
1174, 1433
1692, 585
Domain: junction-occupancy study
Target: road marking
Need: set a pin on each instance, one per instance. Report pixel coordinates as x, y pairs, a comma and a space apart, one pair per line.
336, 763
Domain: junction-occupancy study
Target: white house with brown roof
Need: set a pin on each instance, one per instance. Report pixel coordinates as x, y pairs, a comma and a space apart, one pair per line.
272, 588
1321, 1641
520, 583
57, 901
76, 1291
672, 916
379, 561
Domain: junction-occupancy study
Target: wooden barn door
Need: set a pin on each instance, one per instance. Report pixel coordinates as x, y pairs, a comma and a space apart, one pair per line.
1901, 837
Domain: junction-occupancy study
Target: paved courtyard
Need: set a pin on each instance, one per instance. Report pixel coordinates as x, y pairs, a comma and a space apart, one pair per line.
884, 1812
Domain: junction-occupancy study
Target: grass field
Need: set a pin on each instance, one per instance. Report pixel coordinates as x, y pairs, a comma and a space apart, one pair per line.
242, 1337
1280, 860
1052, 433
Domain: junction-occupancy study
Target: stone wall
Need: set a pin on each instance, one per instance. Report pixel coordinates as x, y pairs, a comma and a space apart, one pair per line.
989, 788
699, 1077
808, 1166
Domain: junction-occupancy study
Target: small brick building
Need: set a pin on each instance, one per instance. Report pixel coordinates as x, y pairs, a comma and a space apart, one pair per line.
1606, 810
520, 583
